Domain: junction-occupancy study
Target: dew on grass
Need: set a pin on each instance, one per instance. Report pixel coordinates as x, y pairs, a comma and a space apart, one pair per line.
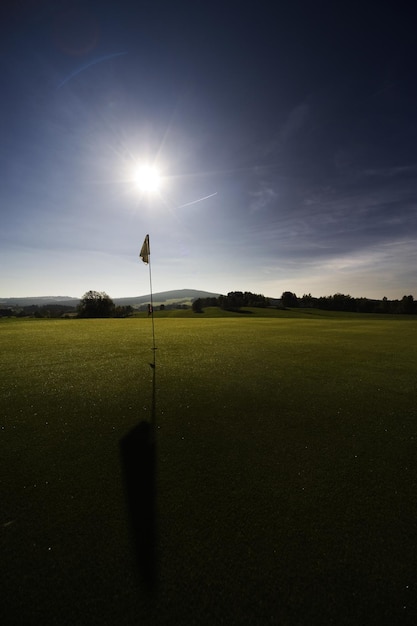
6, 524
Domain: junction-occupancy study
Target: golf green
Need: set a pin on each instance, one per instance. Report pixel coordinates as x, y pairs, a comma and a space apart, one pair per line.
285, 469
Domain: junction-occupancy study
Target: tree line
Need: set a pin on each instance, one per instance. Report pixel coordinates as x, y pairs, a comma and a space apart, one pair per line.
341, 302
99, 304
95, 304
39, 311
234, 301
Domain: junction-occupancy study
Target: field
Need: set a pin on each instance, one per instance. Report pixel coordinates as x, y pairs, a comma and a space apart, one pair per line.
286, 469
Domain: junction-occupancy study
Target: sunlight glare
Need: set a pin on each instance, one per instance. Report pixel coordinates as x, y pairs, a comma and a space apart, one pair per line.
148, 179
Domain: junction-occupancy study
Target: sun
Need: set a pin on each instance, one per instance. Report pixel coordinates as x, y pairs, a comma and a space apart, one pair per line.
148, 179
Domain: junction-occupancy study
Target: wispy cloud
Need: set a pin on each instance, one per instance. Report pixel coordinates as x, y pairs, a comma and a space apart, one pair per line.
391, 172
262, 197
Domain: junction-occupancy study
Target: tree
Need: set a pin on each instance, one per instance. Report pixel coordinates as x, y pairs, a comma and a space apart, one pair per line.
122, 311
197, 306
342, 302
289, 299
407, 305
237, 299
384, 306
96, 304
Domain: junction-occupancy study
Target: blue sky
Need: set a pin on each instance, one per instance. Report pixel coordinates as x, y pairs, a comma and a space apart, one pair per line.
297, 119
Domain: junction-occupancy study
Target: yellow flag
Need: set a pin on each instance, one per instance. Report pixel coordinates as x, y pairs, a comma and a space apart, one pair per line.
145, 250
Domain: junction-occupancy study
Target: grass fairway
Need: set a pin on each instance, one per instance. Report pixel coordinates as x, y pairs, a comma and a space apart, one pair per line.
286, 470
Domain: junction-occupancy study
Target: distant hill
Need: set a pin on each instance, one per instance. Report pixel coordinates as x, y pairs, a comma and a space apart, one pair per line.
39, 301
185, 296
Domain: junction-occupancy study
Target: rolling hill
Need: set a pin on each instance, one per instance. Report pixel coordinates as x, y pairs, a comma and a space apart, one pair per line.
185, 296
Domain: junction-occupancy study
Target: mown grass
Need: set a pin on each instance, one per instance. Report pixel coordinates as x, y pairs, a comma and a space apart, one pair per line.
270, 312
286, 469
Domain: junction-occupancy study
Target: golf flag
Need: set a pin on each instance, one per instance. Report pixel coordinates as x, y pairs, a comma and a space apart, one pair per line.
145, 250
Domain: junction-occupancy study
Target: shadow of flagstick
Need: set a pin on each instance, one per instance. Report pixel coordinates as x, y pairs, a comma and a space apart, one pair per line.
138, 457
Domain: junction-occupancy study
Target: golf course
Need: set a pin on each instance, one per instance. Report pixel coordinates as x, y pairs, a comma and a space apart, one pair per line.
285, 477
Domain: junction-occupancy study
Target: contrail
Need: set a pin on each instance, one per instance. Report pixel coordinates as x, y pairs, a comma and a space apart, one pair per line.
199, 200
84, 67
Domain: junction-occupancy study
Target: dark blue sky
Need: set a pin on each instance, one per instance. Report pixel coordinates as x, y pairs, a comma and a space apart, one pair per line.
298, 120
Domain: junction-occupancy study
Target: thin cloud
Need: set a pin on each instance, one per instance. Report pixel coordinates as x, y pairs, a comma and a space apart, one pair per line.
263, 197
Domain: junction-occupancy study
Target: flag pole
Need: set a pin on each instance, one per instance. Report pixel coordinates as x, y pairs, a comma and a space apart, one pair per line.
150, 288
153, 364
145, 255
139, 463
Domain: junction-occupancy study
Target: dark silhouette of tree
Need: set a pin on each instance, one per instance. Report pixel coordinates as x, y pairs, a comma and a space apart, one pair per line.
96, 304
308, 301
197, 306
237, 299
122, 311
383, 306
289, 299
234, 301
342, 302
407, 305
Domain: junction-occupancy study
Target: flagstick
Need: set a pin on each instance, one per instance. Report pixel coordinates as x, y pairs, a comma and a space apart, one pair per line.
145, 255
153, 364
153, 325
153, 561
139, 456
